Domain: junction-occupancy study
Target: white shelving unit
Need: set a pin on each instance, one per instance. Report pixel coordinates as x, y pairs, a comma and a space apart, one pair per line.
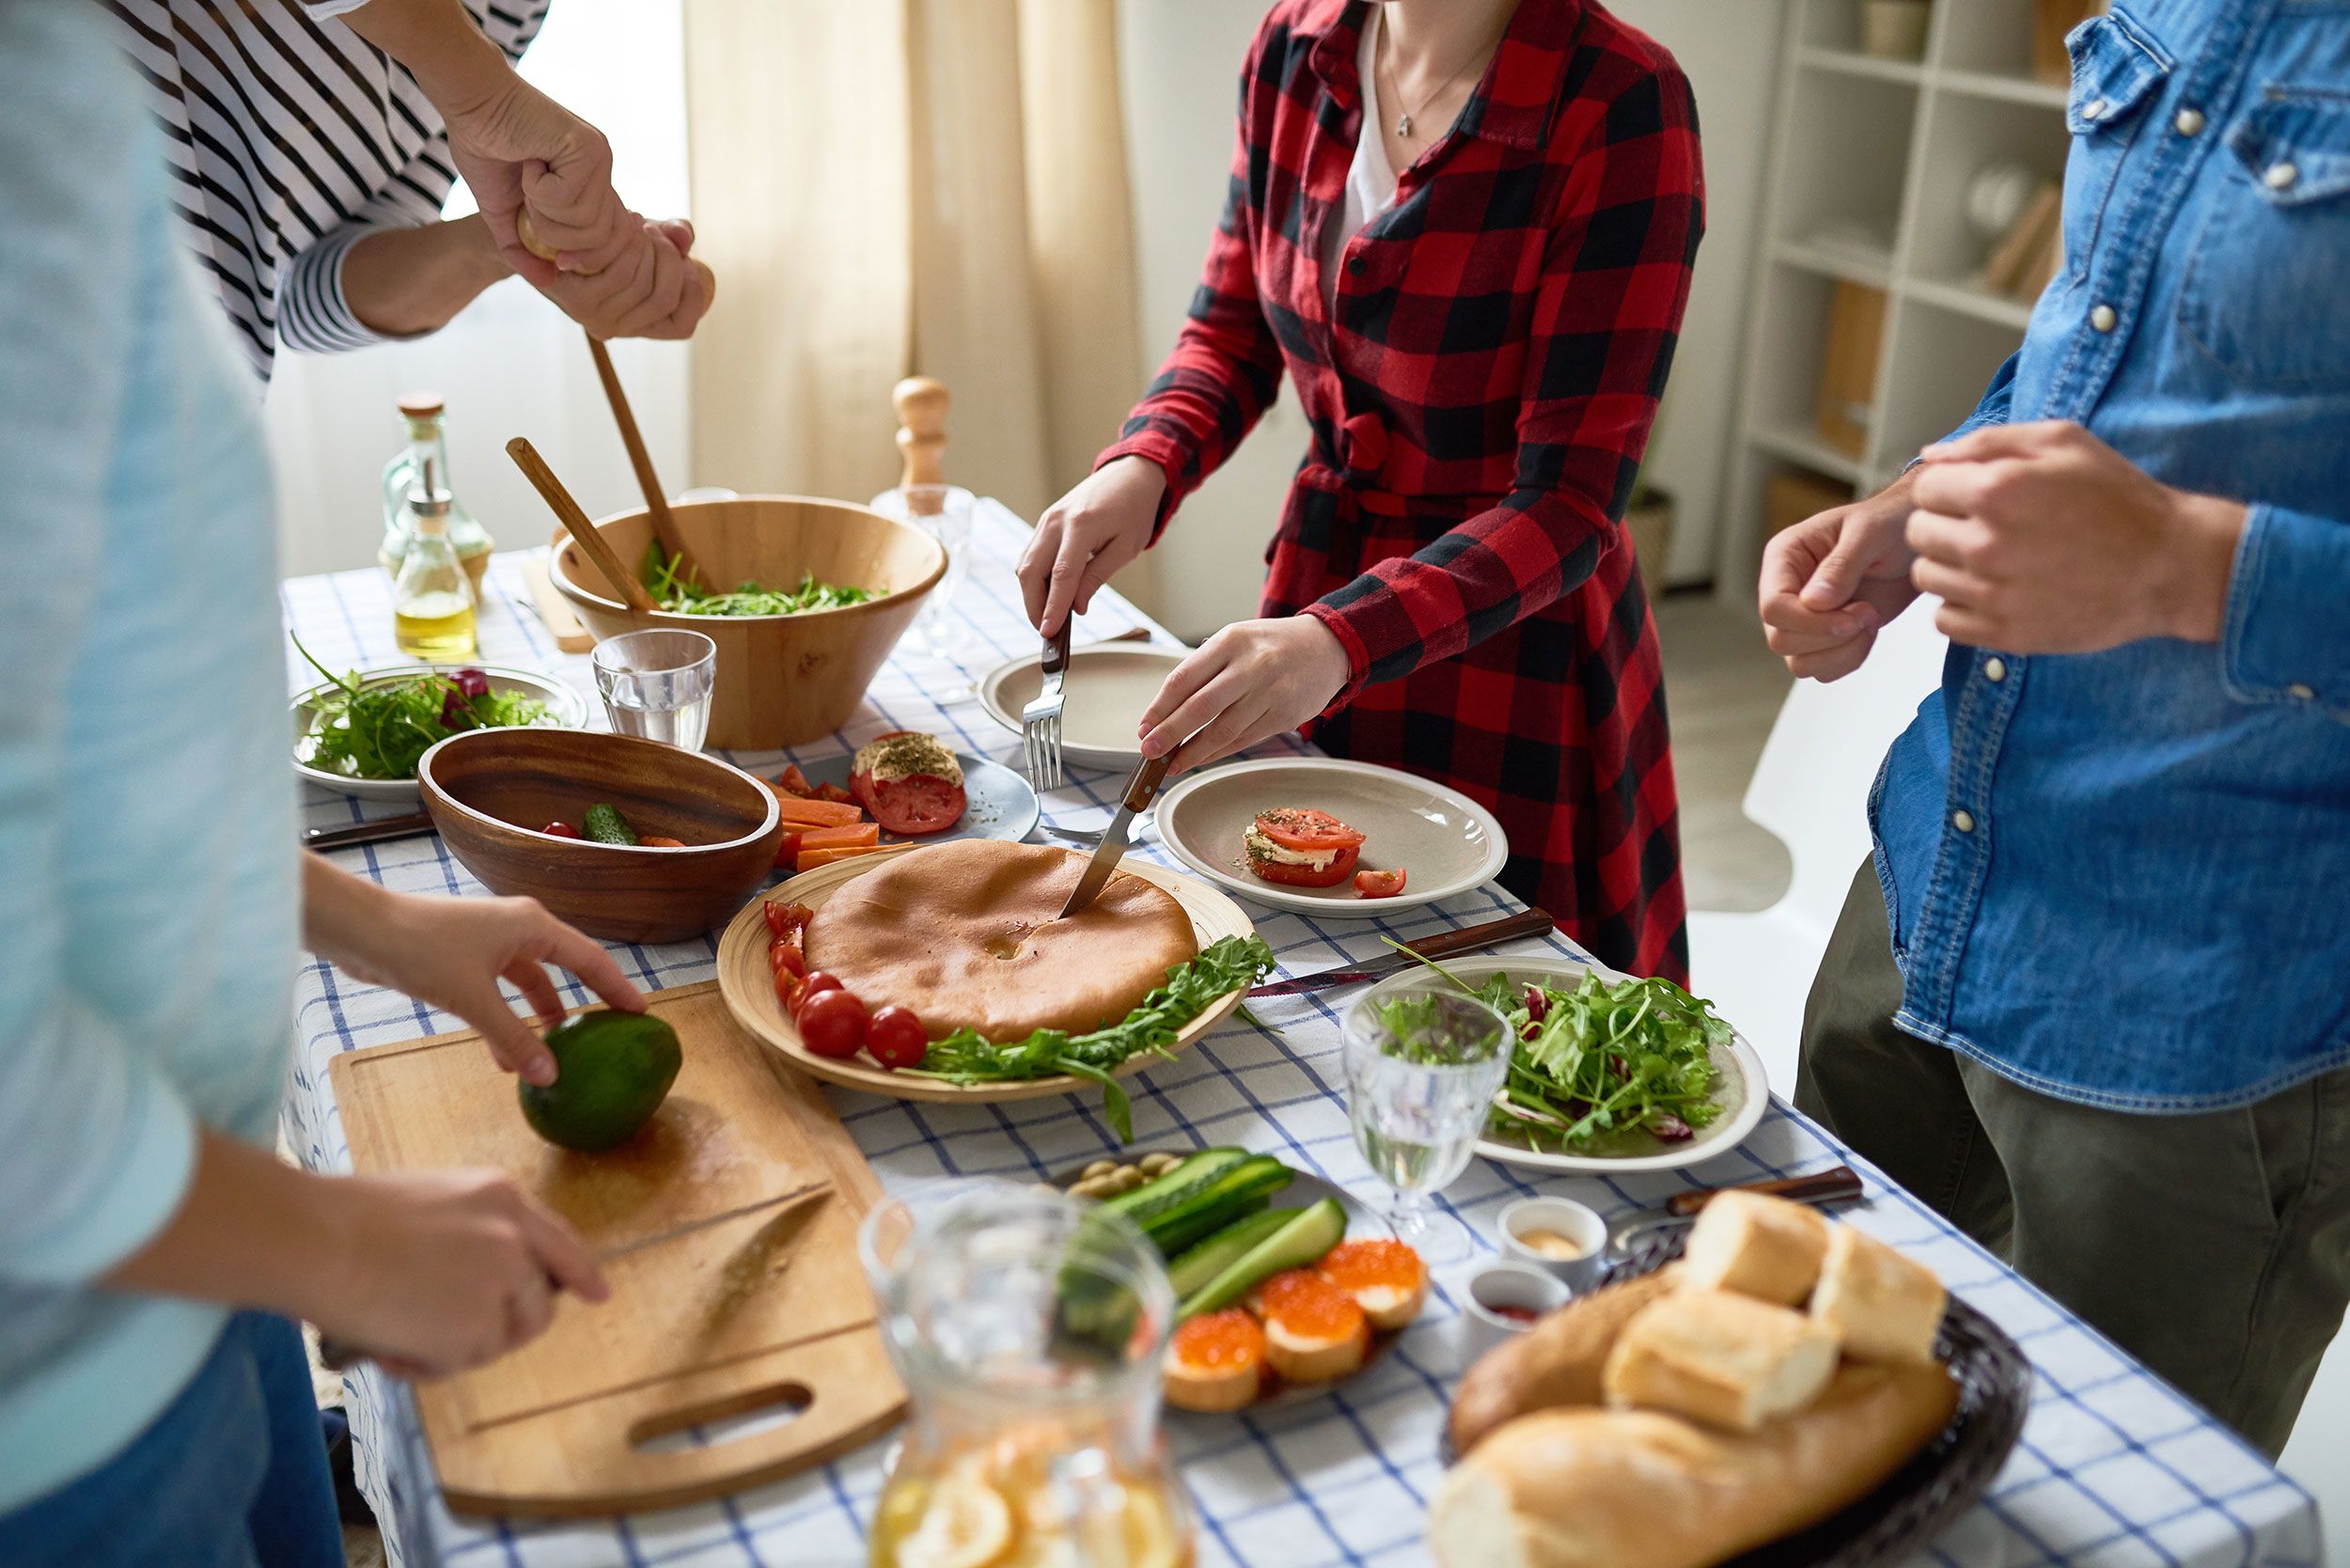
1888, 147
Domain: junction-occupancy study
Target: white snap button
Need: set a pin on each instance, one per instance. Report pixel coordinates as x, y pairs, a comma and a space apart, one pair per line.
2280, 176
2095, 109
2104, 317
2300, 693
1995, 669
2188, 122
1963, 821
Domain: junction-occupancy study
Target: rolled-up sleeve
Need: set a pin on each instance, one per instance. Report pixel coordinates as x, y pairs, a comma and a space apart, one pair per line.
2286, 638
313, 315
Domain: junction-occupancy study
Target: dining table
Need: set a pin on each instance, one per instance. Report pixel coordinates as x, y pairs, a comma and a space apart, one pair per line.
2114, 1467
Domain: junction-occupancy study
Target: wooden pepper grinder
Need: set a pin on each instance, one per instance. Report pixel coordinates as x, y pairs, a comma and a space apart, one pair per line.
921, 402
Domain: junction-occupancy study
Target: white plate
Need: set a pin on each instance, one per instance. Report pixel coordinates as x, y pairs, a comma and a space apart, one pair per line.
1102, 698
1446, 843
566, 708
1742, 1092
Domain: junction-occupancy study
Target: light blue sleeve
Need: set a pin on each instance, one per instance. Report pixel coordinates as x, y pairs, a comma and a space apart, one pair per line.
96, 1145
2286, 638
1997, 400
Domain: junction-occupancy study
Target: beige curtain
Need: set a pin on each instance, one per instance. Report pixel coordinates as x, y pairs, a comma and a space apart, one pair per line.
896, 186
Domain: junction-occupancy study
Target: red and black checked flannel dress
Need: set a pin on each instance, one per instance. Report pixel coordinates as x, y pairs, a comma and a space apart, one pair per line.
1480, 403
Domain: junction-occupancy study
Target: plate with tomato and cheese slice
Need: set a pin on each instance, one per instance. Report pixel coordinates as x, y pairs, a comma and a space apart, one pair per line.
1330, 838
915, 790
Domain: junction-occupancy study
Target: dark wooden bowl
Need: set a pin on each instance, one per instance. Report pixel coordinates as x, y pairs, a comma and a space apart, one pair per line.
489, 791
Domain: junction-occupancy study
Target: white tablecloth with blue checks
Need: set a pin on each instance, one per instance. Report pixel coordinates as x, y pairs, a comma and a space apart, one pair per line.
2114, 1469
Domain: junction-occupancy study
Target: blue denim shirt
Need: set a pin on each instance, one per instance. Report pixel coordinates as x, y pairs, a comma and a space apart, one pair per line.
2123, 878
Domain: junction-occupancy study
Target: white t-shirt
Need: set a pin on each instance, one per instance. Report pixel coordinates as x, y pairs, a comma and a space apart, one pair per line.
1370, 183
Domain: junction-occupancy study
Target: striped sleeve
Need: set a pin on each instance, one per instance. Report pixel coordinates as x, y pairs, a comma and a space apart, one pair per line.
312, 314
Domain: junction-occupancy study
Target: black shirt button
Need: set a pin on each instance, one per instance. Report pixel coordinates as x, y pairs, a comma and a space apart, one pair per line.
1356, 266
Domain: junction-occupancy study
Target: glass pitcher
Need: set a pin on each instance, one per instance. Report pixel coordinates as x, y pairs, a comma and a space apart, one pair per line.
1028, 1328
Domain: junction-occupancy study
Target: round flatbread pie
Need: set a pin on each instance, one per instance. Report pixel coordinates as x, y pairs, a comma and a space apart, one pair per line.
969, 933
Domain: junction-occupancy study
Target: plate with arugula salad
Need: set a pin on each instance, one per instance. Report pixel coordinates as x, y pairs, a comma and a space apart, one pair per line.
361, 732
1610, 1072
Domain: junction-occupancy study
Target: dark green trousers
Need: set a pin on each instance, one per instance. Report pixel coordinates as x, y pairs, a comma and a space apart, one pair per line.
2215, 1247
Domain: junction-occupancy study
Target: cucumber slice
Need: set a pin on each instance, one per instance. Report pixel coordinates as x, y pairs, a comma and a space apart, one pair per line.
1237, 1192
1199, 1265
1194, 1173
1314, 1231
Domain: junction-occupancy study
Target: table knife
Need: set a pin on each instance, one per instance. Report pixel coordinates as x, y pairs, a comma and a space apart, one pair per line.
382, 829
1450, 943
1821, 1189
334, 1354
1142, 790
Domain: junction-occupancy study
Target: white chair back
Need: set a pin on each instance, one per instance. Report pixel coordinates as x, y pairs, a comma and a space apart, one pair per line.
1811, 786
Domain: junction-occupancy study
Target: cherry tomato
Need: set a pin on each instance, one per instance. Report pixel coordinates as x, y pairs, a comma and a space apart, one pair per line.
823, 979
785, 921
1378, 884
561, 830
789, 988
788, 853
786, 955
832, 1024
896, 1039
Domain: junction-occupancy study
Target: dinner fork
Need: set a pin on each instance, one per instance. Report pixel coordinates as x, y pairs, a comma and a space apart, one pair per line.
1040, 721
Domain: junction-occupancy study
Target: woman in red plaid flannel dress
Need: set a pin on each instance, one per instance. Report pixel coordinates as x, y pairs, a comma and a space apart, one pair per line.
1481, 378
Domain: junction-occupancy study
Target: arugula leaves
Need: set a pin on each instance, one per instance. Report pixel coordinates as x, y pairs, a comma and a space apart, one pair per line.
674, 589
363, 731
1228, 965
1605, 1058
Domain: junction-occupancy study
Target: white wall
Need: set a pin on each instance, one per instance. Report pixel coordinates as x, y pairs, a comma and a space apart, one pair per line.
512, 364
1181, 61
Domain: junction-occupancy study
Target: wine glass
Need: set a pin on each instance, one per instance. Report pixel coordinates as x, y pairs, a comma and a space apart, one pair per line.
1423, 1062
944, 512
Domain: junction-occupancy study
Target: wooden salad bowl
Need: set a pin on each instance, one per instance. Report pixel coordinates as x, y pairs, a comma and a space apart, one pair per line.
488, 790
783, 680
747, 982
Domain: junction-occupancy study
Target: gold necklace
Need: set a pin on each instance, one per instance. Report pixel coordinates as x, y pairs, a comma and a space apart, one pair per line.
1404, 116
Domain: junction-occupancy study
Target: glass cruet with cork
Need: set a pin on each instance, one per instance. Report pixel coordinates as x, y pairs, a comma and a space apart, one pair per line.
432, 598
1029, 1329
425, 419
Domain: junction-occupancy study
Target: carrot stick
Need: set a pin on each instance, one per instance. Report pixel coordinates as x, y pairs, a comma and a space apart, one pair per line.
810, 859
818, 813
848, 835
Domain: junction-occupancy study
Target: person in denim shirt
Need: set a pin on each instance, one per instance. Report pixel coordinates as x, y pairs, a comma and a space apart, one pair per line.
2091, 998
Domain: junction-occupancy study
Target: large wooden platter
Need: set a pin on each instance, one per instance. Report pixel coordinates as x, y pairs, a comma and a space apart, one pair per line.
747, 983
767, 1310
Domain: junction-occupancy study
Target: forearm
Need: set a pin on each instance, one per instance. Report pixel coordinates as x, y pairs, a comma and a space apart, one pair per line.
402, 282
251, 1230
341, 913
458, 69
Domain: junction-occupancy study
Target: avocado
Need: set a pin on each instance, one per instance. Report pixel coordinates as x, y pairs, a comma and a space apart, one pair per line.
612, 1071
1315, 1230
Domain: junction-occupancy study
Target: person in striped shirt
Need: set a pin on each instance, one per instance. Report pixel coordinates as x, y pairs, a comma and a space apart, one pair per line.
311, 145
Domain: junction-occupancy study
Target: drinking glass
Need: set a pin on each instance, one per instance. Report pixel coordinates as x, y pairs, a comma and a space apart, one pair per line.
657, 684
1423, 1062
944, 512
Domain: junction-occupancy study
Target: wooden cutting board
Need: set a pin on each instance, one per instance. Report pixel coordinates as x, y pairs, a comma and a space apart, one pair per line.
768, 1310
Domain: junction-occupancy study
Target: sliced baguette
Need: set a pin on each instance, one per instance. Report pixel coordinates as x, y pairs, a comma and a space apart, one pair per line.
1885, 1306
1554, 1363
1727, 1360
1757, 1245
1584, 1488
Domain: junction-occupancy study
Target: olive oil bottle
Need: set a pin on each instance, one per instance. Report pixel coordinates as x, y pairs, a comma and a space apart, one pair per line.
432, 598
425, 423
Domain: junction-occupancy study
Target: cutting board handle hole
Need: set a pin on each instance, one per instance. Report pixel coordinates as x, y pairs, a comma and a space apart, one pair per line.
730, 1420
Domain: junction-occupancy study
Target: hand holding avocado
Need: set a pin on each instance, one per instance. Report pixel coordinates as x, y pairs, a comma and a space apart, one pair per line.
452, 952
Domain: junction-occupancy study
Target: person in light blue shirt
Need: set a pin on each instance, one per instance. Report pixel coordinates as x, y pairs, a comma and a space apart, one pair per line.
2091, 998
154, 1402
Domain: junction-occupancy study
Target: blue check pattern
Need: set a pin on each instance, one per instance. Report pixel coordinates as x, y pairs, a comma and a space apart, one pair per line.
2115, 1470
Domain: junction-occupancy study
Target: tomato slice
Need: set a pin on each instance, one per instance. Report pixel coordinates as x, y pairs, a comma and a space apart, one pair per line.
1301, 827
1378, 884
785, 921
835, 794
917, 804
1342, 867
795, 783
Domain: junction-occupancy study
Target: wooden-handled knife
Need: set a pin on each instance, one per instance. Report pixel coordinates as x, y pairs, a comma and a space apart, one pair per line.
1450, 943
